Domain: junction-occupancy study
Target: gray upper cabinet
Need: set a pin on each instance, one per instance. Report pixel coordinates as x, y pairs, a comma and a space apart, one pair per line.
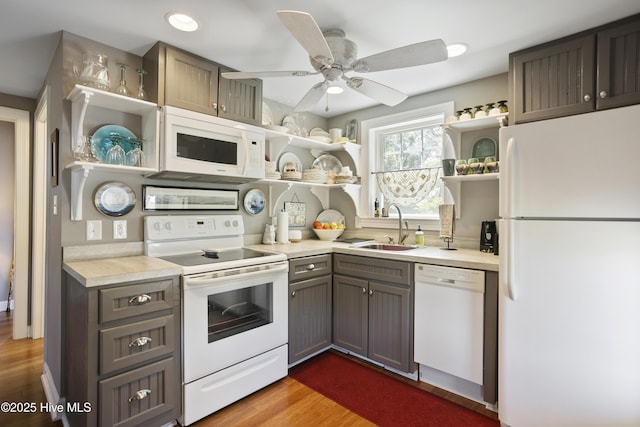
240, 100
191, 82
553, 81
184, 80
592, 70
619, 66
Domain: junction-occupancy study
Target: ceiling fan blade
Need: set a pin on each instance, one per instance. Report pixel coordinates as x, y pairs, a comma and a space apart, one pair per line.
233, 75
407, 56
304, 28
311, 98
382, 93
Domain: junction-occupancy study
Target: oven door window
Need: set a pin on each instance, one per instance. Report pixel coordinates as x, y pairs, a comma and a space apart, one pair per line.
240, 310
207, 149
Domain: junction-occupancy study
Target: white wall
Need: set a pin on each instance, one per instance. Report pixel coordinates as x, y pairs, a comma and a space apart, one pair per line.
7, 174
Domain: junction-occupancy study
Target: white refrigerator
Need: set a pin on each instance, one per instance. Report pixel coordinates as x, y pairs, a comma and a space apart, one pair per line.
569, 299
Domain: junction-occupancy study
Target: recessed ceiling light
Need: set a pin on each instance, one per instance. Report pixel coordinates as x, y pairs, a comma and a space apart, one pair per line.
180, 21
334, 90
457, 49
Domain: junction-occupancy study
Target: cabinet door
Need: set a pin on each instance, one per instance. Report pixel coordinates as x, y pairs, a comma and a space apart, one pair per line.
390, 325
309, 317
554, 80
619, 66
191, 83
240, 100
350, 313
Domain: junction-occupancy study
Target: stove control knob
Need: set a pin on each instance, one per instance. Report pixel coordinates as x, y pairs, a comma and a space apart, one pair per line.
235, 223
157, 226
168, 225
227, 223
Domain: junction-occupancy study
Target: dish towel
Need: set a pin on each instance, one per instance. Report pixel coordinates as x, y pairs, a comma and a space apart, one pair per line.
447, 223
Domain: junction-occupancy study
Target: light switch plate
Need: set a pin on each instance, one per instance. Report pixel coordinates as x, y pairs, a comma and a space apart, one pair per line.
120, 229
94, 230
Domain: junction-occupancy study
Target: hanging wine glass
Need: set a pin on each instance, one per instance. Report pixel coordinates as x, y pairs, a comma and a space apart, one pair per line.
141, 94
115, 154
122, 89
135, 156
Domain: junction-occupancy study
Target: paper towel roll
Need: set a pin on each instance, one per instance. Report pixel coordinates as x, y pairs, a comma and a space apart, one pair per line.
282, 234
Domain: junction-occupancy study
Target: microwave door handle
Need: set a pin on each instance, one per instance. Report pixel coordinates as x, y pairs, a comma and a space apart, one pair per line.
245, 149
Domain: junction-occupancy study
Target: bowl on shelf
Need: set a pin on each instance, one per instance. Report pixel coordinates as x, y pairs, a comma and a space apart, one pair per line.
324, 234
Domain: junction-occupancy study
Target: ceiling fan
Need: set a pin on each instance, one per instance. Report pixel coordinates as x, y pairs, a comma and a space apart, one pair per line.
333, 55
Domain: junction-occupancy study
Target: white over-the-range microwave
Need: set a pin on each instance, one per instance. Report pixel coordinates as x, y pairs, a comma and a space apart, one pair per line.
199, 147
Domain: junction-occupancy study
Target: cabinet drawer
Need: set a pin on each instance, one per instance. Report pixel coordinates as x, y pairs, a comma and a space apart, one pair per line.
308, 267
127, 345
399, 272
133, 300
137, 396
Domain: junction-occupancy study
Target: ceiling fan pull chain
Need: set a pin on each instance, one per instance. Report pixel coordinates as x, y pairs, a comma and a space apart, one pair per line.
326, 109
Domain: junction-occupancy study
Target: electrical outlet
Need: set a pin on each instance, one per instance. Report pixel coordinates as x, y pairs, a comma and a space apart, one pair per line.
94, 230
120, 229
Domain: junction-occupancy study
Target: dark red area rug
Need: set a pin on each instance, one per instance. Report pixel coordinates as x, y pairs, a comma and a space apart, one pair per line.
379, 398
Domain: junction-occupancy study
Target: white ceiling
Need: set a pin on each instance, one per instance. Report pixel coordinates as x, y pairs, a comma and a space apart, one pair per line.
248, 36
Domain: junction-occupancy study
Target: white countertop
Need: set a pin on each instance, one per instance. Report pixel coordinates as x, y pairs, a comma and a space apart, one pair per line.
110, 271
463, 258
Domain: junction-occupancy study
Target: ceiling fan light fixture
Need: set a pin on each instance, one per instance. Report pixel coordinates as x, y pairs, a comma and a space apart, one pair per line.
457, 49
334, 90
181, 21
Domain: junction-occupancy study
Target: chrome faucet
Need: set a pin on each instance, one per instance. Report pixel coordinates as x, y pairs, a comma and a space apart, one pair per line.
401, 236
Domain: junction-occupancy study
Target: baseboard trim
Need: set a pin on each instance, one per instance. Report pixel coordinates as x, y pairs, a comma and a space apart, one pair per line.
52, 395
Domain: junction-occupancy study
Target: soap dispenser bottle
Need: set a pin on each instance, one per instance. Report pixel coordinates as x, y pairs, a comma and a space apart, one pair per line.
419, 237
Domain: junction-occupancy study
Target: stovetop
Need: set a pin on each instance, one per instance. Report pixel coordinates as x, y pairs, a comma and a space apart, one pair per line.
214, 257
202, 243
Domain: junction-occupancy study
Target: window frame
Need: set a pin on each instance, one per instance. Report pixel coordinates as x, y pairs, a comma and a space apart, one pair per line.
368, 129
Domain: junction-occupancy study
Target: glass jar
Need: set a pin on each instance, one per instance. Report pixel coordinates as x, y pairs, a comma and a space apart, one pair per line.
466, 115
462, 167
489, 108
479, 112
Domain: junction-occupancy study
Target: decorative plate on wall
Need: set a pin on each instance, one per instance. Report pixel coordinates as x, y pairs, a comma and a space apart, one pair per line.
254, 201
114, 198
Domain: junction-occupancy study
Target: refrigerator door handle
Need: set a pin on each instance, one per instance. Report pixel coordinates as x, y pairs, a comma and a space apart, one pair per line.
506, 259
506, 181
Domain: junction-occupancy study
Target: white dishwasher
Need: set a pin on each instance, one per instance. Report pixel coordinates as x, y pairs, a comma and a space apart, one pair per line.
449, 320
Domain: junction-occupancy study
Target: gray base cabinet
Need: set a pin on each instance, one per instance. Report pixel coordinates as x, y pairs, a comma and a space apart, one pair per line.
373, 309
310, 291
122, 352
589, 71
184, 80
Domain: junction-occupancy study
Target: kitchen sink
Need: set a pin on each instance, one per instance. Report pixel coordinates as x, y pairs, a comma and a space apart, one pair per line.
386, 247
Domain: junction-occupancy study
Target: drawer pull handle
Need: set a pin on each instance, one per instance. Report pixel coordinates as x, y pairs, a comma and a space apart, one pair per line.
311, 267
603, 94
293, 294
587, 98
140, 299
364, 290
139, 342
139, 395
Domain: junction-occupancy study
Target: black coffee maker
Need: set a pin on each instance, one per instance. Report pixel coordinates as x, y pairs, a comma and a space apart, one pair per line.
488, 236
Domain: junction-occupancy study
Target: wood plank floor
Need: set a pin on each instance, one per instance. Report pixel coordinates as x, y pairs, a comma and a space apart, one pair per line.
284, 403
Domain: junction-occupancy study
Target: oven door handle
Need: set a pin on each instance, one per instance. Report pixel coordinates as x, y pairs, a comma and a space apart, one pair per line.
212, 278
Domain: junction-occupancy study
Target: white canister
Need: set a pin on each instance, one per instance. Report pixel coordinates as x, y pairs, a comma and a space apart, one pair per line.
282, 233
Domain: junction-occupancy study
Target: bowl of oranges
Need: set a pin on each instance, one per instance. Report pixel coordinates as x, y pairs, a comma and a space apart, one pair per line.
328, 230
